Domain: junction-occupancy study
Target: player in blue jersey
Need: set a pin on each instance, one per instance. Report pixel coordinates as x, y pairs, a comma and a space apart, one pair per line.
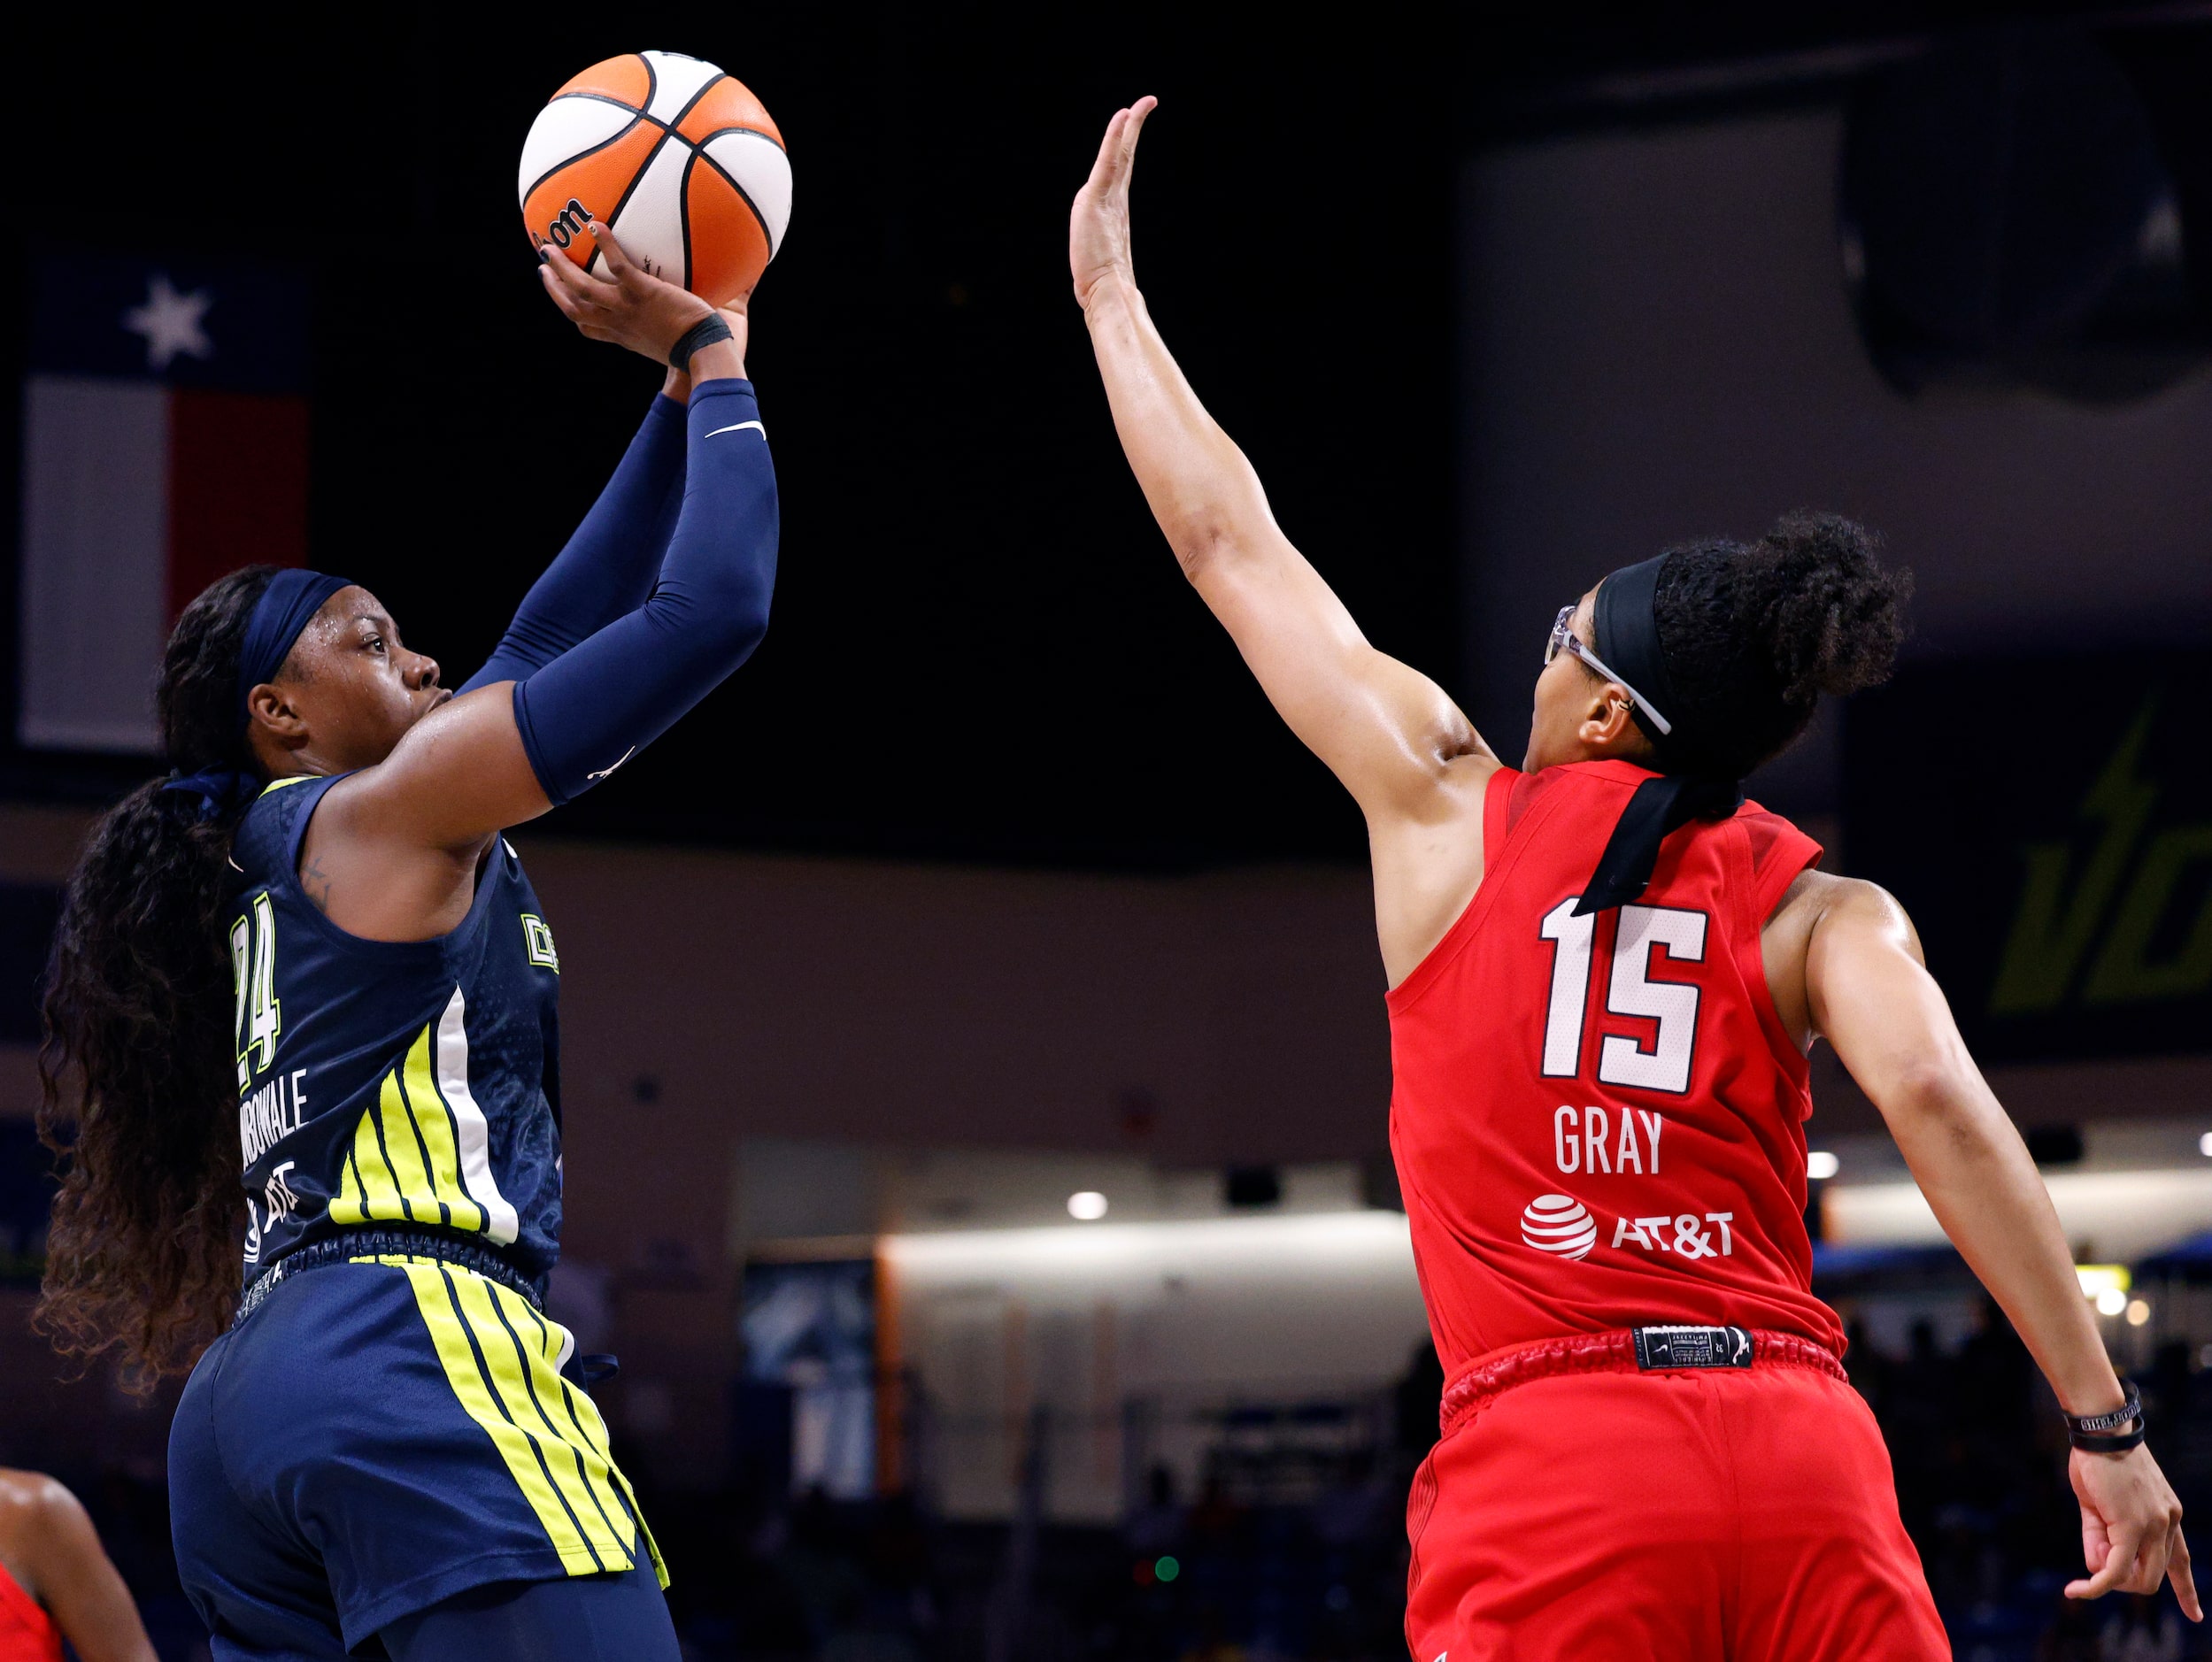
308, 956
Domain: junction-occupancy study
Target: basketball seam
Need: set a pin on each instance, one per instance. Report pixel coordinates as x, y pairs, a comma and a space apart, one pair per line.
608, 97
750, 132
692, 104
683, 214
570, 161
631, 190
752, 207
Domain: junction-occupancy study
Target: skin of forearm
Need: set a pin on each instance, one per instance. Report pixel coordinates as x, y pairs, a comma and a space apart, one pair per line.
1970, 1164
1197, 482
717, 360
1869, 992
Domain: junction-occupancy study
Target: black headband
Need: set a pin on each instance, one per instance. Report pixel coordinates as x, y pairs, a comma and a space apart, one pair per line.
1690, 786
1624, 618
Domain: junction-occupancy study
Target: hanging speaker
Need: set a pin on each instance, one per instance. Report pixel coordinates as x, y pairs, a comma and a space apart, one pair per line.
2010, 217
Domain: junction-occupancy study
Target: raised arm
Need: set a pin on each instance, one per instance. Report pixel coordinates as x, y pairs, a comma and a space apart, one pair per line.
1869, 994
1387, 732
607, 567
390, 851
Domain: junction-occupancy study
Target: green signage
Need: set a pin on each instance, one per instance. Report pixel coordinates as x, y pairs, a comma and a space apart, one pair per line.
2049, 823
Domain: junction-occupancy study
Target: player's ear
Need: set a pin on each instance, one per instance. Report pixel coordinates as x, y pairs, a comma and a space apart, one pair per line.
268, 710
1608, 720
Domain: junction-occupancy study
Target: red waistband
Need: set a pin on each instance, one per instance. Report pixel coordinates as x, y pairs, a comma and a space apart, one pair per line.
1612, 1352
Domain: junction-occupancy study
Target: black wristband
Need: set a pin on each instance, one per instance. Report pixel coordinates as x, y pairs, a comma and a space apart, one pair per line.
2101, 1434
712, 327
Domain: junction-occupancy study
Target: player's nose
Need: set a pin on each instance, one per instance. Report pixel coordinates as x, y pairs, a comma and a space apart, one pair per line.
425, 673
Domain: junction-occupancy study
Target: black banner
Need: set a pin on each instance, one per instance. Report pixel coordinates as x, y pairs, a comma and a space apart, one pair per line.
2049, 824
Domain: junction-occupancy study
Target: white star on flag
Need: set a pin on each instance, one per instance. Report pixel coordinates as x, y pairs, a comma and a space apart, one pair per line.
171, 323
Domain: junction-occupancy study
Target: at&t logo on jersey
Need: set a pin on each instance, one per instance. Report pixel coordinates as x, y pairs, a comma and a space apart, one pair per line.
1559, 1225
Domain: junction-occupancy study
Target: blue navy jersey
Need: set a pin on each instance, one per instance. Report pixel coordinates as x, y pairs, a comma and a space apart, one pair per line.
387, 1082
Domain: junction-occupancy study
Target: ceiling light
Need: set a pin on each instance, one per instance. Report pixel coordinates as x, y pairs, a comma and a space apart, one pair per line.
2138, 1313
1820, 1164
1087, 1205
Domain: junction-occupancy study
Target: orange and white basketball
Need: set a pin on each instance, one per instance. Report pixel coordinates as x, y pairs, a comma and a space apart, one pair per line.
679, 158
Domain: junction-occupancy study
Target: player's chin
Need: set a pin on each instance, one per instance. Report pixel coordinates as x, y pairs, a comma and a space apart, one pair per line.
419, 707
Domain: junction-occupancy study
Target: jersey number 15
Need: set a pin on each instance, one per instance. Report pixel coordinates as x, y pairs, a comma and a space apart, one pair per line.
1629, 991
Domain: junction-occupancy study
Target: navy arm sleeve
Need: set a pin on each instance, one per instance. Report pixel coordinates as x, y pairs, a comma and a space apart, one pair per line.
608, 566
589, 710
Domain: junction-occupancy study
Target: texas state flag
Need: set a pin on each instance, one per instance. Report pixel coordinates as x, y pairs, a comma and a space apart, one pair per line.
164, 427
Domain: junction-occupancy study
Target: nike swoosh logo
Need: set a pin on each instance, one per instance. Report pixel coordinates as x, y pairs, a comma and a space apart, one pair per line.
625, 756
739, 428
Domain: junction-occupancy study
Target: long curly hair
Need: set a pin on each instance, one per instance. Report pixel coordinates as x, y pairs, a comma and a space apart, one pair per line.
138, 1082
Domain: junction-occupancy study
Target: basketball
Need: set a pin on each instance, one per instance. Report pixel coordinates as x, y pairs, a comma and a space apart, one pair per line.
678, 157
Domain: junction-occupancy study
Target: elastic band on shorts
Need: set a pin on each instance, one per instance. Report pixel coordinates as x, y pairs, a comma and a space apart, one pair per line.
1612, 1352
347, 1245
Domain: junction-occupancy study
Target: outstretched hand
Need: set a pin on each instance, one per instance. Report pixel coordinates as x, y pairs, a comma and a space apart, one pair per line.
629, 306
1098, 225
2130, 1529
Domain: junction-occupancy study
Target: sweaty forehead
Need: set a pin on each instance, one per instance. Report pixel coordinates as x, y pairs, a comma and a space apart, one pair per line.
334, 625
347, 608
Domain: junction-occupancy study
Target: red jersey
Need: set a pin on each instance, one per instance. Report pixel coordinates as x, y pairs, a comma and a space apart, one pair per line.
28, 1634
1599, 1121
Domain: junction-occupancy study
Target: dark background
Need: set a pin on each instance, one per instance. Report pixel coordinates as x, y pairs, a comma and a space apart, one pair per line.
982, 648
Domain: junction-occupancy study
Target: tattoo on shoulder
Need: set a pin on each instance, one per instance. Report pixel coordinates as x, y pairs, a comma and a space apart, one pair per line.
316, 882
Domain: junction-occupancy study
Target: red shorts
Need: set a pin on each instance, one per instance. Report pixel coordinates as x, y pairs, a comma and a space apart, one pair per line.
1590, 1510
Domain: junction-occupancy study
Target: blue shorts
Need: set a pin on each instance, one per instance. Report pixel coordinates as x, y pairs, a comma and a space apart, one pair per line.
376, 1437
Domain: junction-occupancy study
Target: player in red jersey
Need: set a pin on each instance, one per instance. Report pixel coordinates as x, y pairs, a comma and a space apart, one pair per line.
1606, 972
57, 1583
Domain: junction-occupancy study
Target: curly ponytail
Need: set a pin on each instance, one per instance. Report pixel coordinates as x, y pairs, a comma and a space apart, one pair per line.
139, 1090
1753, 633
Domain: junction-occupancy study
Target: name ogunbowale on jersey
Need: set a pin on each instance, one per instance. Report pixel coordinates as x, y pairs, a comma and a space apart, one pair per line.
391, 1084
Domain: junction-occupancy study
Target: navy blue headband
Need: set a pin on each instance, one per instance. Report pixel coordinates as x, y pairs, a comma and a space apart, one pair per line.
1690, 785
287, 605
292, 598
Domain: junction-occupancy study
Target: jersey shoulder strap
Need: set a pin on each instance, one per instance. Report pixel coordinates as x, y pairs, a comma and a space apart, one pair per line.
1774, 850
1587, 788
1513, 796
1778, 851
265, 846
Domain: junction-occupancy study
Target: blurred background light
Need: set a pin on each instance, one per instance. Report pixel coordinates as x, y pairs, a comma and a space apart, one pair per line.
2098, 1280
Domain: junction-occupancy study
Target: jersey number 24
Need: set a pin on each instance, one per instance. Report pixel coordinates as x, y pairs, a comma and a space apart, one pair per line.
253, 977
